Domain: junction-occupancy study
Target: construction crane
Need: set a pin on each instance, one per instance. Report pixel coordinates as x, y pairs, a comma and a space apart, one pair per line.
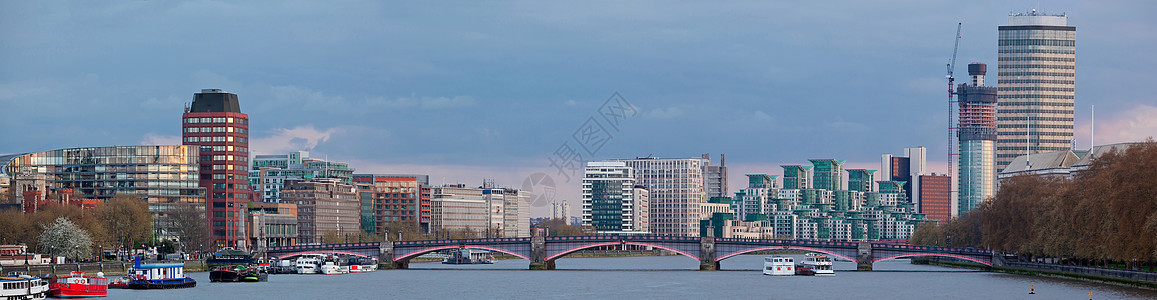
951, 102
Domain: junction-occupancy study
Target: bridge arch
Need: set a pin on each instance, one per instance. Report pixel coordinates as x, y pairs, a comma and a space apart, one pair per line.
432, 249
785, 248
321, 252
575, 249
975, 260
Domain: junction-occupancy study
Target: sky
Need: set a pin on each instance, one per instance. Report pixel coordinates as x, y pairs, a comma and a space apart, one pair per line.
465, 90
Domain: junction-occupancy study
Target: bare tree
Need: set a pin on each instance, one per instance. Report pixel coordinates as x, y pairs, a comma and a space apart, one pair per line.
191, 226
126, 218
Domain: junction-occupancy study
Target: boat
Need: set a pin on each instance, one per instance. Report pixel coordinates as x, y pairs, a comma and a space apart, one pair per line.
308, 264
76, 285
333, 265
254, 275
465, 256
159, 276
226, 273
229, 256
820, 265
363, 264
778, 265
21, 286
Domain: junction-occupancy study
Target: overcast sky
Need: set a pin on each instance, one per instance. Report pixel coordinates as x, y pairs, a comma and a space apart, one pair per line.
466, 90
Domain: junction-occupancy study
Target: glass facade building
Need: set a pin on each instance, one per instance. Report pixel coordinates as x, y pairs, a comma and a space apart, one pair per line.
1037, 75
608, 197
976, 180
165, 177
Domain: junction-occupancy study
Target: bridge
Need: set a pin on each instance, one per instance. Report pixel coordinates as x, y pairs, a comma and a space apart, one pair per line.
709, 251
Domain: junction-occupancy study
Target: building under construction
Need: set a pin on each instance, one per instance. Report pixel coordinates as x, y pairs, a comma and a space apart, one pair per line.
977, 134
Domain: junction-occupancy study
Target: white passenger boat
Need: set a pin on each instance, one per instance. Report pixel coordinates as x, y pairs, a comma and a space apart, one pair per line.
820, 264
20, 286
363, 264
778, 265
308, 264
334, 265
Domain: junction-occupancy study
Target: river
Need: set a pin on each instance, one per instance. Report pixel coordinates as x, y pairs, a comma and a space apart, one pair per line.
646, 277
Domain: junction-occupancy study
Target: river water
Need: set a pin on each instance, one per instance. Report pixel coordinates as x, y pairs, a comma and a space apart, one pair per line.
646, 277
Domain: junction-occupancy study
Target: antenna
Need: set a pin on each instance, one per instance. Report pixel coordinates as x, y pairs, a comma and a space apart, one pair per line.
1092, 126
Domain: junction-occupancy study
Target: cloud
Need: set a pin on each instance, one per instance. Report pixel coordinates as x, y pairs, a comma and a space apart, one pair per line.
158, 139
759, 115
422, 102
284, 140
669, 113
1134, 125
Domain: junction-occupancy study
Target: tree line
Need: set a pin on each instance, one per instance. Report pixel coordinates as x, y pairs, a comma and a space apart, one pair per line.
123, 220
1106, 214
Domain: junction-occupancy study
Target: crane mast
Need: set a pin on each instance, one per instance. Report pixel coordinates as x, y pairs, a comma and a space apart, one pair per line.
952, 103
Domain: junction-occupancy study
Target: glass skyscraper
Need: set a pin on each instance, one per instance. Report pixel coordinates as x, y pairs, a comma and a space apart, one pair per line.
1036, 78
976, 180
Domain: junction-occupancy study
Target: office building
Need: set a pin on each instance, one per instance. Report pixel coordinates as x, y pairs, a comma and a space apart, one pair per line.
715, 176
936, 197
397, 200
976, 177
1036, 76
324, 206
215, 125
676, 187
272, 225
165, 177
509, 211
608, 190
457, 209
269, 172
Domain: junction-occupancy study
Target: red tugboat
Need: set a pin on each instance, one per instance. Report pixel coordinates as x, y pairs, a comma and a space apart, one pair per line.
76, 285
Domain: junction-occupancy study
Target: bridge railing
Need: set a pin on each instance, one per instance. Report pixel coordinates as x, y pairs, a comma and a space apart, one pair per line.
462, 242
935, 249
323, 247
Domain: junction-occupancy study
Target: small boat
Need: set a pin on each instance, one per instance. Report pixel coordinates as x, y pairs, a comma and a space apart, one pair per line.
76, 285
254, 275
226, 274
778, 265
363, 264
819, 264
21, 286
159, 276
334, 265
465, 256
800, 269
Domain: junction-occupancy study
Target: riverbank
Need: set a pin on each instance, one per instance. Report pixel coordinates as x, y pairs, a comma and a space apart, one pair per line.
108, 268
1094, 275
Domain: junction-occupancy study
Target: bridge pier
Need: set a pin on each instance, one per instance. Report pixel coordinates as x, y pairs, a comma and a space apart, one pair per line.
707, 254
538, 251
386, 257
864, 256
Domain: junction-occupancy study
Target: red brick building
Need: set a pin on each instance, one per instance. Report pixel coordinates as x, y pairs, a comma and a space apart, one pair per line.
398, 199
936, 197
214, 122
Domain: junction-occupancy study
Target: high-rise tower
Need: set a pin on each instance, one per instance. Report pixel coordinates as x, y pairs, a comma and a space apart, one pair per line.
976, 179
1036, 78
214, 123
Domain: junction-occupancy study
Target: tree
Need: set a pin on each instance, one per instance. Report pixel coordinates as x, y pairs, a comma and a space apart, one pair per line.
66, 239
559, 227
127, 220
190, 226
